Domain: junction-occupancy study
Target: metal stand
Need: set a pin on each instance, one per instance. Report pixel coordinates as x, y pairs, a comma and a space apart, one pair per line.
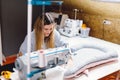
75, 10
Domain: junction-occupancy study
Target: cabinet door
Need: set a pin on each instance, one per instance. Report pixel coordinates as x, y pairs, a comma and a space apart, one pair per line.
13, 25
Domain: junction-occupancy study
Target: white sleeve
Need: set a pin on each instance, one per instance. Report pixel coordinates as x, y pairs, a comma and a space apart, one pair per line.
23, 47
58, 40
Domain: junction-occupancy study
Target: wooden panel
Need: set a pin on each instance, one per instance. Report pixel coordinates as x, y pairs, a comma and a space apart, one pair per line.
93, 7
112, 76
13, 25
10, 59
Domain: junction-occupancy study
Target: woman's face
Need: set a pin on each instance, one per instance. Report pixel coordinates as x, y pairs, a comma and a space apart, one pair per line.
48, 29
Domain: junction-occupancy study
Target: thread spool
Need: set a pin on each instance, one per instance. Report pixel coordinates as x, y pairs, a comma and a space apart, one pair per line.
41, 62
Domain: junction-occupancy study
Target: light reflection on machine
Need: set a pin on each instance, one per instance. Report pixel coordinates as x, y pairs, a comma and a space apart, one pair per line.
41, 60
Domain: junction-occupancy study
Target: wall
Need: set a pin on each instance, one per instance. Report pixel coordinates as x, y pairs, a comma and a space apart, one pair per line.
94, 13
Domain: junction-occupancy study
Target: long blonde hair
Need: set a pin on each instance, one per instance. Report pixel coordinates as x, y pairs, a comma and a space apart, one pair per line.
39, 35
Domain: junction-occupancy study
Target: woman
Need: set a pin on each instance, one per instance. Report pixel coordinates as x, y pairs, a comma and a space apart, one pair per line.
43, 36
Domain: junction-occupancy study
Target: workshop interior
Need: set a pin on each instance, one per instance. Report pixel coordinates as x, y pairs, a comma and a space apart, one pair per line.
91, 29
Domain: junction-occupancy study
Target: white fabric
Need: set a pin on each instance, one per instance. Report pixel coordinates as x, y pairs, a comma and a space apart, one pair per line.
86, 58
55, 73
78, 42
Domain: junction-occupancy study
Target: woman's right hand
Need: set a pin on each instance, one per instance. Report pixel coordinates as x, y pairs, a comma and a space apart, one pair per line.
19, 54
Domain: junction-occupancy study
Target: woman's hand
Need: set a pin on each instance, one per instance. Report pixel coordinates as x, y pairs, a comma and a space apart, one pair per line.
19, 54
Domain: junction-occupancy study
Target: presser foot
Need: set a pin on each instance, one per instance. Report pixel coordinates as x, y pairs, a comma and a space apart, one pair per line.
43, 76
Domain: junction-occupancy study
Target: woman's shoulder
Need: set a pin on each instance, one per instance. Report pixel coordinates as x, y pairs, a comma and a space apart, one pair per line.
57, 35
32, 35
56, 32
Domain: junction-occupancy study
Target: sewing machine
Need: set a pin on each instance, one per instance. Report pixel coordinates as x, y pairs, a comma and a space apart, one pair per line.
71, 27
40, 61
66, 26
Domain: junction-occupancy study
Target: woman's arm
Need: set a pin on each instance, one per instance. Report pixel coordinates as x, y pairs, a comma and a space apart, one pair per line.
19, 54
23, 47
58, 39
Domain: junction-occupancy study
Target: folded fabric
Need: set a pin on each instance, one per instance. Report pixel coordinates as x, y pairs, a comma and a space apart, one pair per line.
89, 56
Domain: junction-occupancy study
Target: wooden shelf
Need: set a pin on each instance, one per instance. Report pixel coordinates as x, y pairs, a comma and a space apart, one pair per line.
112, 76
10, 59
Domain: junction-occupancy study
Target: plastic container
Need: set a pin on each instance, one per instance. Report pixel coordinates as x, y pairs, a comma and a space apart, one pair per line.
85, 32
